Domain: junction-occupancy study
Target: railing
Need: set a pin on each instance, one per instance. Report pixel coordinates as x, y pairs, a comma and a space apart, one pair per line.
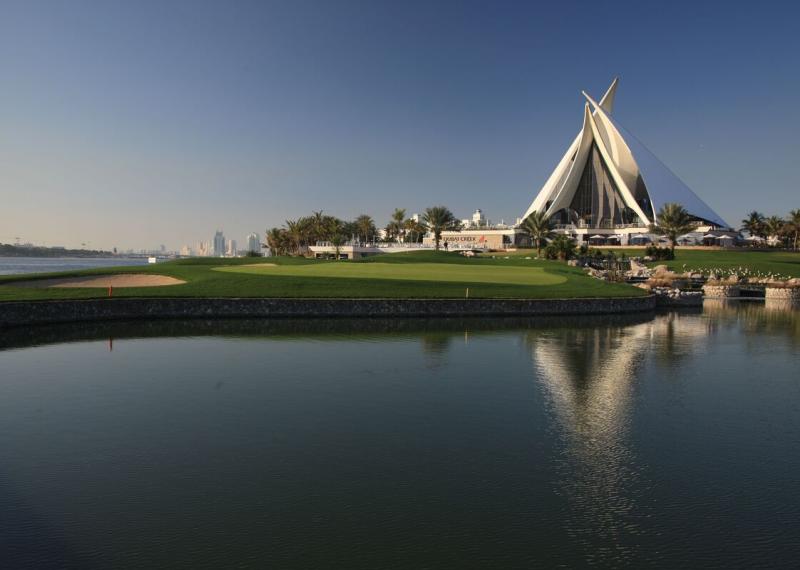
375, 245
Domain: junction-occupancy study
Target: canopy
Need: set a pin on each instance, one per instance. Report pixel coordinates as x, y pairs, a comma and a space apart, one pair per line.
725, 238
598, 237
710, 236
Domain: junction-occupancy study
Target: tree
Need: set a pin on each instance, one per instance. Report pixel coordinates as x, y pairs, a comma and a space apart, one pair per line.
793, 226
366, 228
294, 231
754, 224
438, 219
562, 247
395, 230
672, 221
537, 227
413, 230
337, 237
278, 241
319, 226
774, 227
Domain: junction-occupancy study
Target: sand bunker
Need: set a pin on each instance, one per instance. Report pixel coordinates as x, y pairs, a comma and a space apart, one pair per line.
103, 281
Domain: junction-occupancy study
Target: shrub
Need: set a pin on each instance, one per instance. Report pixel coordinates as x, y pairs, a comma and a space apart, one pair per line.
659, 253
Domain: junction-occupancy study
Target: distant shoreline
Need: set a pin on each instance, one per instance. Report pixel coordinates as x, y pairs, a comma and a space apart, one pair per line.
23, 313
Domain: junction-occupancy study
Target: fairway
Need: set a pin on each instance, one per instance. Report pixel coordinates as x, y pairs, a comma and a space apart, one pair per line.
417, 275
434, 272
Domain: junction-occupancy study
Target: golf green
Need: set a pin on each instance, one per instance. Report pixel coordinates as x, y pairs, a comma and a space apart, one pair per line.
453, 273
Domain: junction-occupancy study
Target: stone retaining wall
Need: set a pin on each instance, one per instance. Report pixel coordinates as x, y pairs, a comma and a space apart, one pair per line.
782, 293
721, 291
666, 297
18, 313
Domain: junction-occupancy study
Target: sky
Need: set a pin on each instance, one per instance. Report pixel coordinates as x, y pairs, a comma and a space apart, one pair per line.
135, 124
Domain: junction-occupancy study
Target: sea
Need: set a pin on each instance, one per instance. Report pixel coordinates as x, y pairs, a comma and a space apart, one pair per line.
20, 265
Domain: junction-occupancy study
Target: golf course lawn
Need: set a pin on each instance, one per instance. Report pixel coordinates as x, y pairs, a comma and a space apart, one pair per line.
432, 272
785, 263
419, 275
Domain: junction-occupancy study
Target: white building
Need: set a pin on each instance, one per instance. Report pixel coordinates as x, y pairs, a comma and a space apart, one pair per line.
609, 184
253, 243
203, 249
231, 251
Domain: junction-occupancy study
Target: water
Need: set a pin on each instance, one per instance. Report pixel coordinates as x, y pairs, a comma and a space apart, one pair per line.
627, 442
18, 265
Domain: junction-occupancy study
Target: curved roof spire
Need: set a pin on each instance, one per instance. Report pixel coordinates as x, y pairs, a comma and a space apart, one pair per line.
607, 102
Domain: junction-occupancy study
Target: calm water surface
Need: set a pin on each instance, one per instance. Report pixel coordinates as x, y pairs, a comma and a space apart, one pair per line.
671, 442
18, 265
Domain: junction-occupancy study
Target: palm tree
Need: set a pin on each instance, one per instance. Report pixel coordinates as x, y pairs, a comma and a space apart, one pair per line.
793, 225
754, 224
563, 246
278, 241
438, 219
413, 230
300, 232
335, 229
366, 227
395, 229
294, 231
672, 221
319, 226
774, 227
537, 226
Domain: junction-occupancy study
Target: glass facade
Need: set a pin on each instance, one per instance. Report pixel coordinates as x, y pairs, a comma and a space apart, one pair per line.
597, 202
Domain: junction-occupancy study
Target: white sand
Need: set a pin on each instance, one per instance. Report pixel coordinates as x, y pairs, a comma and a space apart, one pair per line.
102, 281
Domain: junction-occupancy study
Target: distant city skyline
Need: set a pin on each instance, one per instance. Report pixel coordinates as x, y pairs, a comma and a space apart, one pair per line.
132, 125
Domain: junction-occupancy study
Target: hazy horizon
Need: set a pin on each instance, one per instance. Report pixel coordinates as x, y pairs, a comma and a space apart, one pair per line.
132, 125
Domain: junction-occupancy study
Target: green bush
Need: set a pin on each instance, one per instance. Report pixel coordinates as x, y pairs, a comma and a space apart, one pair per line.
659, 253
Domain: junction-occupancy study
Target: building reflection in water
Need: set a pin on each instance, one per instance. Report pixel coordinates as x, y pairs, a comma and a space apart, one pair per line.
589, 376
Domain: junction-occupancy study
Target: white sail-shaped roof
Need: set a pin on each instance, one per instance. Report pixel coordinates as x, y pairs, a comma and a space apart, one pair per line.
629, 173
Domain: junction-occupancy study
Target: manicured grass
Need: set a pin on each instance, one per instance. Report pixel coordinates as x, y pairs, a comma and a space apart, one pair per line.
434, 272
785, 263
415, 275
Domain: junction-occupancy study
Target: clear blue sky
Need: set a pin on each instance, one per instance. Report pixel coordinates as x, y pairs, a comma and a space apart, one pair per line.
137, 123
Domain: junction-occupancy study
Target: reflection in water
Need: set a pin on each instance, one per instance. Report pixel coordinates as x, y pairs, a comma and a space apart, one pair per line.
773, 317
588, 376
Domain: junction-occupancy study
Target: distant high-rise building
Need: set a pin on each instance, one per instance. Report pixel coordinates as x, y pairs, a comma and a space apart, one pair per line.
231, 248
186, 251
253, 243
219, 244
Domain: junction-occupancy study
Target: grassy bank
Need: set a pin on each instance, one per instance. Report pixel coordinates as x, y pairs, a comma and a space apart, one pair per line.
416, 275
